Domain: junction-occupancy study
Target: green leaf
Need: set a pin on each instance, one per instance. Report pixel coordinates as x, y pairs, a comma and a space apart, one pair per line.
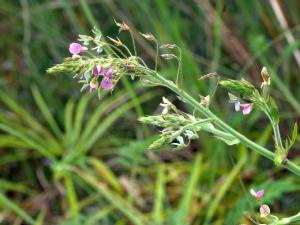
9, 204
113, 198
46, 111
294, 134
181, 216
290, 142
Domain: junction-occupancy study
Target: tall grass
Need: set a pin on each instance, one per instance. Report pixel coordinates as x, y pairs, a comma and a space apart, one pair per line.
65, 161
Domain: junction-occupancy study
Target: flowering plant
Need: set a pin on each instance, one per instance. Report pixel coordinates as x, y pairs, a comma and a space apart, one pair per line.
109, 60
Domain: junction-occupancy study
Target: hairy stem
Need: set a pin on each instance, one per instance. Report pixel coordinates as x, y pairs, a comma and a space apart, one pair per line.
157, 53
222, 125
276, 131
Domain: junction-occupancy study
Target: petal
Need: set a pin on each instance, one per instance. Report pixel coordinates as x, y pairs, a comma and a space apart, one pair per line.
253, 192
246, 108
109, 73
98, 70
91, 89
165, 111
82, 48
260, 193
180, 140
74, 48
237, 106
106, 84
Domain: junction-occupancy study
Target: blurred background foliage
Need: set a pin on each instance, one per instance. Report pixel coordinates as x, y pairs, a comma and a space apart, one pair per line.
68, 158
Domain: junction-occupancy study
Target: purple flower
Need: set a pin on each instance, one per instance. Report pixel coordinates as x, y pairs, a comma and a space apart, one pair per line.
92, 89
246, 108
106, 83
257, 194
76, 48
109, 73
98, 70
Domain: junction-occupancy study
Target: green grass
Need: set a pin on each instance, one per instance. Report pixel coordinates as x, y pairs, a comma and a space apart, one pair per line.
67, 158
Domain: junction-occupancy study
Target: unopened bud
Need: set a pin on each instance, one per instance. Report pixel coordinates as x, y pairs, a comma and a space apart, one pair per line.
170, 46
265, 76
122, 26
205, 101
94, 83
148, 36
168, 56
209, 75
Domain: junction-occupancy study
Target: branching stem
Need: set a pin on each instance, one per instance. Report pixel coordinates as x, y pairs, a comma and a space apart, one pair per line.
222, 125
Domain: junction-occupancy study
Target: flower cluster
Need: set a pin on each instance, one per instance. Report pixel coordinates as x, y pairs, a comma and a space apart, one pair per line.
106, 83
179, 128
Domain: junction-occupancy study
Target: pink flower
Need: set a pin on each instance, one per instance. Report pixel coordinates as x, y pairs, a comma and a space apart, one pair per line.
98, 70
257, 194
246, 108
76, 48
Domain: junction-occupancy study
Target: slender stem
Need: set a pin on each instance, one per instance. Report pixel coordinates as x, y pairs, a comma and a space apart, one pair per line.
157, 53
133, 42
277, 135
179, 76
275, 128
128, 51
206, 112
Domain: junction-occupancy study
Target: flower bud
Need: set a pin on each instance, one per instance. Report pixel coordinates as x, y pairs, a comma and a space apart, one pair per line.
205, 101
264, 211
148, 36
265, 76
122, 26
169, 46
168, 56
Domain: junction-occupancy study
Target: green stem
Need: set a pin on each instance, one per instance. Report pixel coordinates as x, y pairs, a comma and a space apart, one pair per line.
289, 220
276, 130
207, 113
157, 53
179, 75
277, 135
133, 42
